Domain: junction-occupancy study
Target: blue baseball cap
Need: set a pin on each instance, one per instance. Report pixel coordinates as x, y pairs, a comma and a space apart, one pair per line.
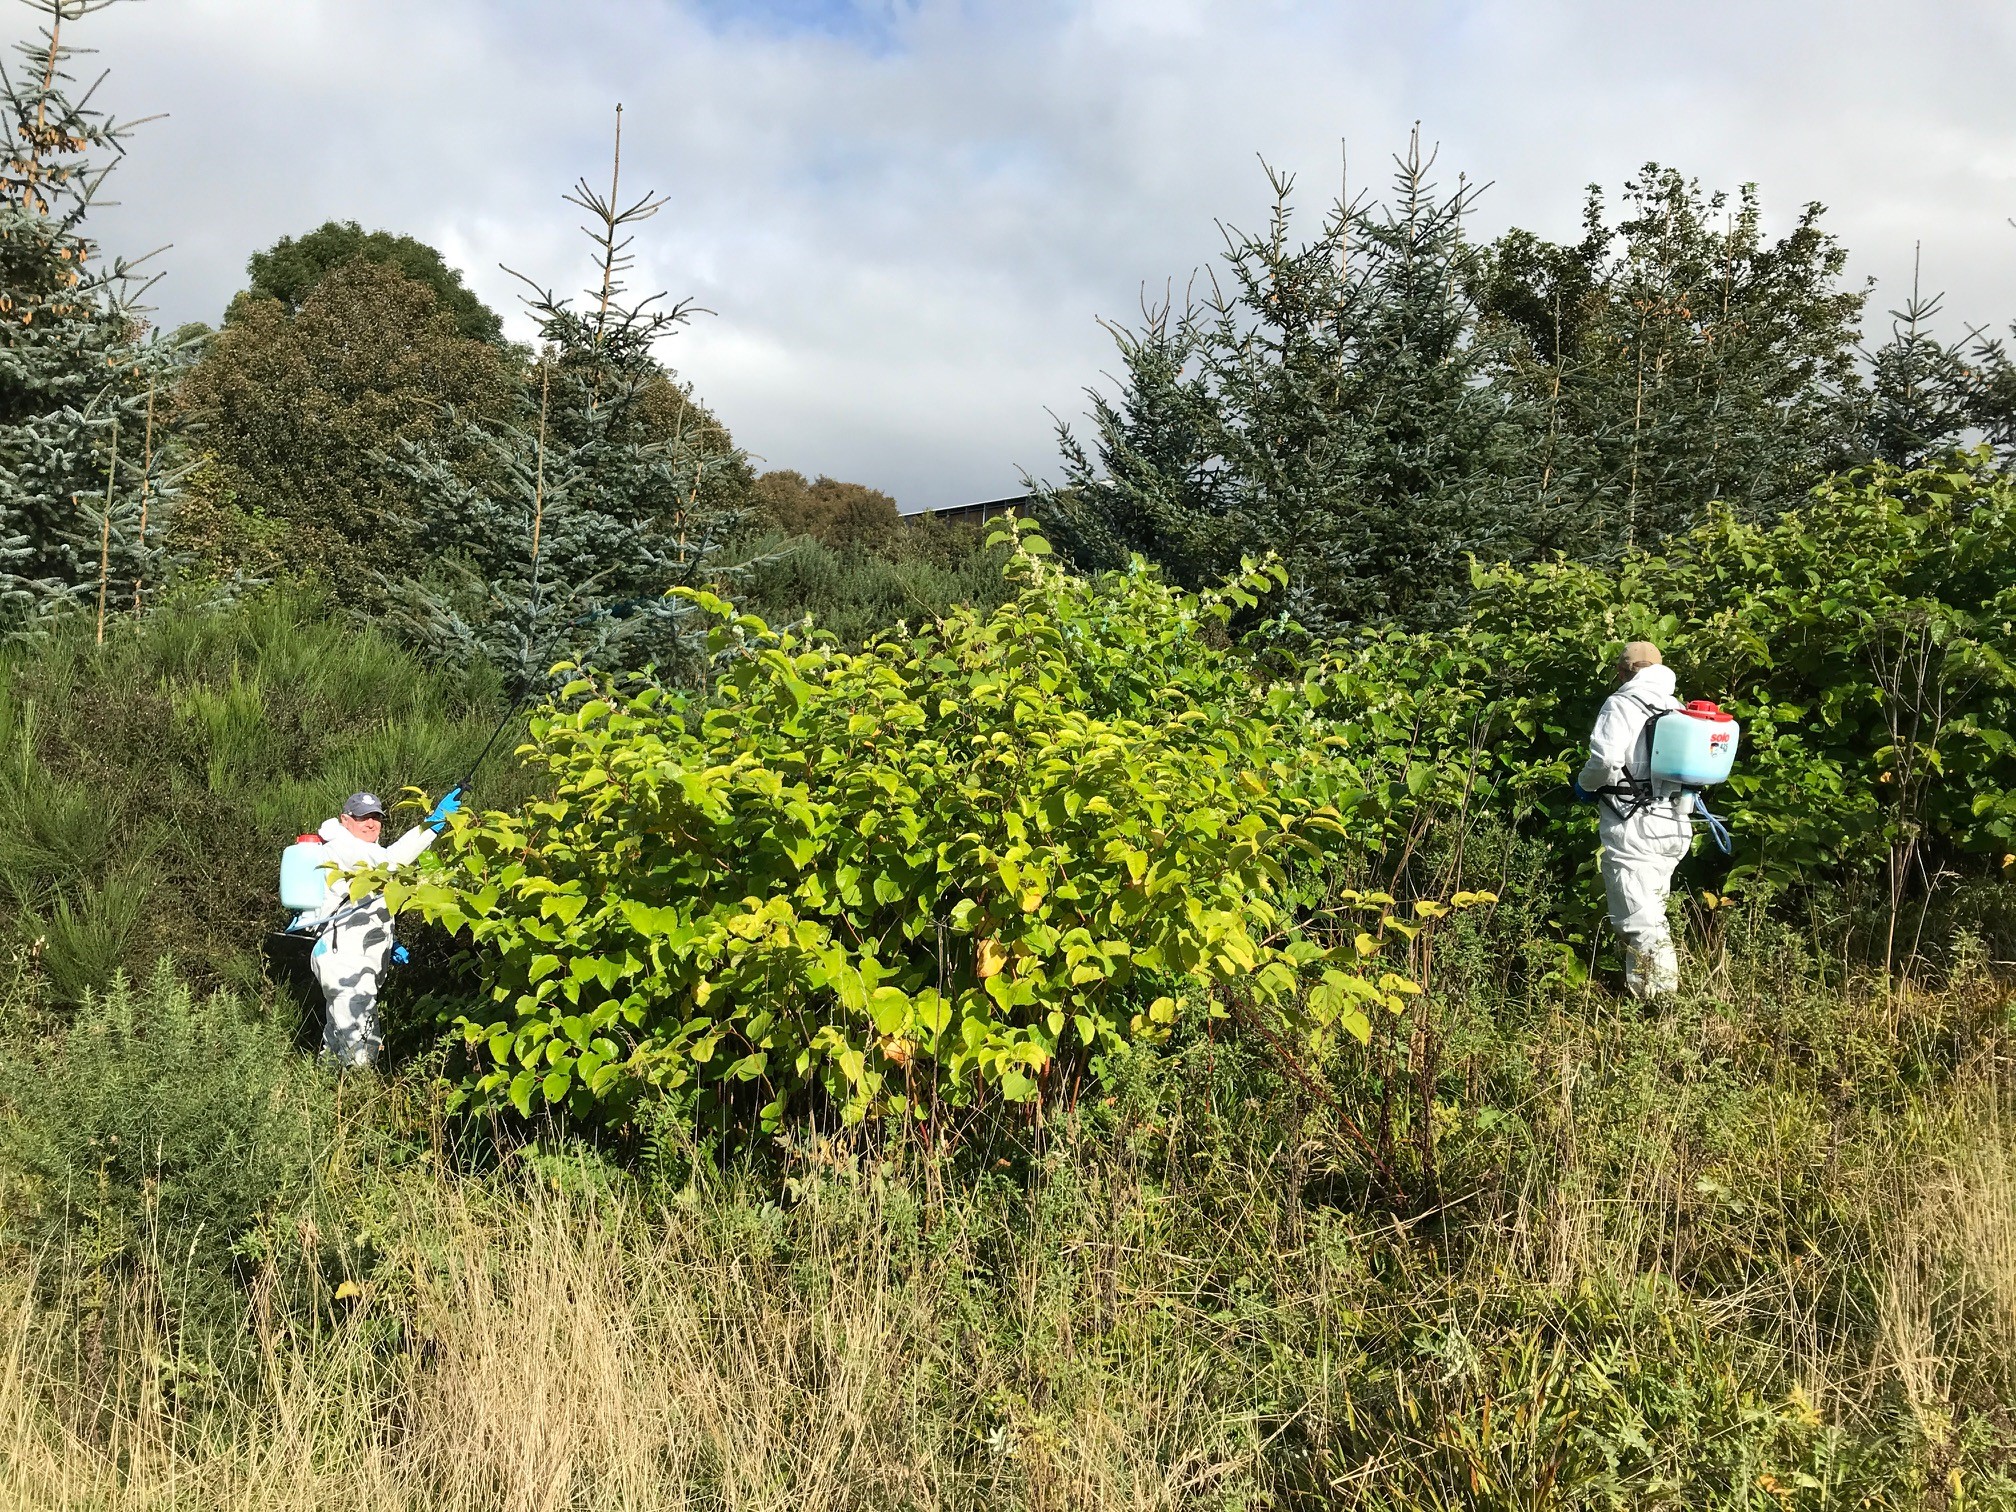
363, 806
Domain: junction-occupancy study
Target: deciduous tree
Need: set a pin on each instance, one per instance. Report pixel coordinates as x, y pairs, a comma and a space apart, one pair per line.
289, 270
832, 512
301, 410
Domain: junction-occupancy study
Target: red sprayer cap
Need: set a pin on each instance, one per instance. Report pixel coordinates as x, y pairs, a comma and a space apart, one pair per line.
307, 839
1701, 708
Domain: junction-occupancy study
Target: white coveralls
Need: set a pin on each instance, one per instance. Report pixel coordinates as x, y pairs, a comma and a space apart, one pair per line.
349, 958
1640, 849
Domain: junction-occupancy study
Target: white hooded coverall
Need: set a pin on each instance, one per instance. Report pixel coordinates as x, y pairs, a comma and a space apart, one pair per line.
349, 958
1641, 848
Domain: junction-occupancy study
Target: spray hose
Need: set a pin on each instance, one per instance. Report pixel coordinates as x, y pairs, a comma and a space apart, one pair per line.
1718, 828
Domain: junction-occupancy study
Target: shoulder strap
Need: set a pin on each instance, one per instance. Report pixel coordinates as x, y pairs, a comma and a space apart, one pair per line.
1636, 789
1653, 716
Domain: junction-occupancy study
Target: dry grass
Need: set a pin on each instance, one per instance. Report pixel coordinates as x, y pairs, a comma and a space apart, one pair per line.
1695, 1258
570, 1354
1946, 1277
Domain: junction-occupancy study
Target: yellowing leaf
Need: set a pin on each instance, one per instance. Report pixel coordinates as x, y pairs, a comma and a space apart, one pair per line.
988, 958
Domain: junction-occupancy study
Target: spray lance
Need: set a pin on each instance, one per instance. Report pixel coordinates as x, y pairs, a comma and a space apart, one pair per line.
451, 801
517, 705
484, 754
304, 871
303, 875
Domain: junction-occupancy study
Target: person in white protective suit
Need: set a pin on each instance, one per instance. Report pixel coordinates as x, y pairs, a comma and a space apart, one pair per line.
354, 936
1646, 827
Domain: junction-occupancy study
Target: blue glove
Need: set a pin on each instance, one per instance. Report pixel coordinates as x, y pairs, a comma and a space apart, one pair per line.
400, 956
446, 809
1581, 795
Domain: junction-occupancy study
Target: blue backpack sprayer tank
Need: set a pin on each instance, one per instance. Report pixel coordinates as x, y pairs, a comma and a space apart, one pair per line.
1697, 749
1692, 748
303, 883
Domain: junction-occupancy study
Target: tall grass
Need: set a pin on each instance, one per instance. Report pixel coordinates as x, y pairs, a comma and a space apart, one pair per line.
1755, 1251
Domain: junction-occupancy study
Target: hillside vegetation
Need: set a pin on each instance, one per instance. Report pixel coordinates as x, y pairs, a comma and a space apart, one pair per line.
1114, 1015
1494, 1239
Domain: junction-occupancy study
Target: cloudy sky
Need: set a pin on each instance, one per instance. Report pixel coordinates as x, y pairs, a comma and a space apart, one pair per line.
908, 214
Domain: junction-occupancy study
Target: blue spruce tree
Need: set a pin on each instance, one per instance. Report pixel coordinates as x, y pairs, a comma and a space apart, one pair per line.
83, 387
607, 488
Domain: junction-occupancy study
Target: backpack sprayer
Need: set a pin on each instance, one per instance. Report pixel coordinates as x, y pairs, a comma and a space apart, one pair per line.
1690, 748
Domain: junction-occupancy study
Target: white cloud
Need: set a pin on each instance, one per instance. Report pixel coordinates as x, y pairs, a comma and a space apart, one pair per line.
908, 215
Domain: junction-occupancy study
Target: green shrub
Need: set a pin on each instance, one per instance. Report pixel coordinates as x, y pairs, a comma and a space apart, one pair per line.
1867, 642
88, 934
984, 857
157, 1130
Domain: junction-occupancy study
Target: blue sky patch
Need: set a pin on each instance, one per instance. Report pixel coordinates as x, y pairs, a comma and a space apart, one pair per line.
867, 23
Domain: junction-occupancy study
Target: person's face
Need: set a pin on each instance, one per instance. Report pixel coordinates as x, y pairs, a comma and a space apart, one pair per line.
367, 828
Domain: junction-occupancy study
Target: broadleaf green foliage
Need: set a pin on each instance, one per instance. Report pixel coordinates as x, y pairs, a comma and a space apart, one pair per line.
1864, 640
289, 270
846, 832
963, 861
